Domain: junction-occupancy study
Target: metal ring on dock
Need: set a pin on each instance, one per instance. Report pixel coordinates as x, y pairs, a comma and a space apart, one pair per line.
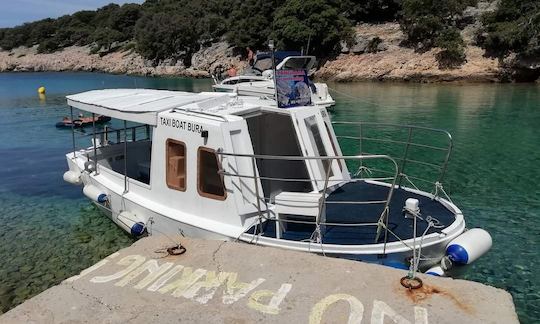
411, 283
176, 250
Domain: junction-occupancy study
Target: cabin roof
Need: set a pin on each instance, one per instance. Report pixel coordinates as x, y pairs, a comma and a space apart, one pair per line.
141, 105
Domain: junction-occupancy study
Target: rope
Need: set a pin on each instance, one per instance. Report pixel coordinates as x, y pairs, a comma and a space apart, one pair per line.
354, 97
409, 180
439, 186
363, 169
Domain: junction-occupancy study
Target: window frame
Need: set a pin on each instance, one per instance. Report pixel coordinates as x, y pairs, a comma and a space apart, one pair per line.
202, 193
170, 140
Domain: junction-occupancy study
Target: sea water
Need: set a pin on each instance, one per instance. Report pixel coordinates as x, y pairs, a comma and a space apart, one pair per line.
49, 231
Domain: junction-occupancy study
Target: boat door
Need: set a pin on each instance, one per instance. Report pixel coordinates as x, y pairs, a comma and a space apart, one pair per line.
245, 188
315, 141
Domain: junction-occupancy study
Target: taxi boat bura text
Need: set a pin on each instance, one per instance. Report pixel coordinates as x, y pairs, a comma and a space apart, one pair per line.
220, 166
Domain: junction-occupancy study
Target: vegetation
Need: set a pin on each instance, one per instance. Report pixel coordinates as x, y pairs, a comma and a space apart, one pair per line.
175, 29
318, 23
513, 27
429, 23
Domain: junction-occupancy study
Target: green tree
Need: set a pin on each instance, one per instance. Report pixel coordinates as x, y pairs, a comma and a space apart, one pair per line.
163, 35
423, 21
317, 22
513, 27
250, 22
452, 46
371, 10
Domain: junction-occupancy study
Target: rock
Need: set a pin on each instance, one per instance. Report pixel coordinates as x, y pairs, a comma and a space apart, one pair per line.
83, 58
344, 47
382, 47
360, 44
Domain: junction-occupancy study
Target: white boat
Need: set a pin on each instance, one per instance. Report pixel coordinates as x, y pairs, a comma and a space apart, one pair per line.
219, 166
259, 83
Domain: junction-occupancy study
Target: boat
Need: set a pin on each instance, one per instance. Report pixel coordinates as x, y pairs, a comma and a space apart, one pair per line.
258, 81
82, 121
221, 166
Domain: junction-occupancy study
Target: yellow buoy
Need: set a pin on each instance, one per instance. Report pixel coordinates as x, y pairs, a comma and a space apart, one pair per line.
41, 90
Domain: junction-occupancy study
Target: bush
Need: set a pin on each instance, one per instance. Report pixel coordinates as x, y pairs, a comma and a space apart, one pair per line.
162, 35
452, 52
371, 10
423, 21
513, 27
317, 22
48, 46
251, 22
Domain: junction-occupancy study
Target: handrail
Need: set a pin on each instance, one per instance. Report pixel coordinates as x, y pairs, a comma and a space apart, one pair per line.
407, 143
382, 222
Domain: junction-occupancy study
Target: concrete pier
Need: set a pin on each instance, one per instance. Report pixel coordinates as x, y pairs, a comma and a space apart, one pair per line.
225, 282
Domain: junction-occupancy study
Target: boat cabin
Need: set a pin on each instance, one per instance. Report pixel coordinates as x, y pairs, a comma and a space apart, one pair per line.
196, 153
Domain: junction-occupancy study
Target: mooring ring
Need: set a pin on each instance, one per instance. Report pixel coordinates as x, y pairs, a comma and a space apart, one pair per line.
411, 283
176, 250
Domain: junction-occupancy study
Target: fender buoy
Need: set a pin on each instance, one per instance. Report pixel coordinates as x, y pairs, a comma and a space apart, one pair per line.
131, 223
469, 246
95, 194
73, 177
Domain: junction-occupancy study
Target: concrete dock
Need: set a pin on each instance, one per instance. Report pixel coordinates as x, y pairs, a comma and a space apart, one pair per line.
226, 282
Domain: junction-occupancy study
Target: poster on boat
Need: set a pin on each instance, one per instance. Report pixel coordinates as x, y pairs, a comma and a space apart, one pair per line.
292, 88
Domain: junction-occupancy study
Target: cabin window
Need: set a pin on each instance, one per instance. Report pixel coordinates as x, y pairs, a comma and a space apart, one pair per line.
209, 180
176, 165
317, 142
333, 144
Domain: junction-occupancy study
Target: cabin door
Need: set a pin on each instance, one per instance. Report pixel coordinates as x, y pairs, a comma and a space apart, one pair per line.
245, 188
315, 141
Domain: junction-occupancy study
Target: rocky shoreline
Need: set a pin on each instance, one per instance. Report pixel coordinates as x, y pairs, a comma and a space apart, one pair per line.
389, 61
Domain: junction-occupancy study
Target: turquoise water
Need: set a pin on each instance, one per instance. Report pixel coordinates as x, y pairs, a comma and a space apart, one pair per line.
50, 232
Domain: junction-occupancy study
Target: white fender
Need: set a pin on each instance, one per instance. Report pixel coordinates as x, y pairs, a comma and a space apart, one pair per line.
469, 246
73, 177
131, 223
436, 271
95, 194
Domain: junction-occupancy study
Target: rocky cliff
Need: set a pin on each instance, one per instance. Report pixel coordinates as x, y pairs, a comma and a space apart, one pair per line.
77, 58
377, 53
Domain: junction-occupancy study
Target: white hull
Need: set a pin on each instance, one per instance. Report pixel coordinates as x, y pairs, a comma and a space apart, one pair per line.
433, 246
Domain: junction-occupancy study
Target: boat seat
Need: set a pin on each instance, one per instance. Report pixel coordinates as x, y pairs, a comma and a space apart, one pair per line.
297, 204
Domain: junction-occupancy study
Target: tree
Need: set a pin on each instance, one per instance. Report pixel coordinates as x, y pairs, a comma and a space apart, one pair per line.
452, 46
162, 35
317, 22
423, 21
513, 27
371, 10
250, 22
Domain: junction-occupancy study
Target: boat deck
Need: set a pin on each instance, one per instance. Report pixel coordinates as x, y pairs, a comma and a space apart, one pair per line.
354, 213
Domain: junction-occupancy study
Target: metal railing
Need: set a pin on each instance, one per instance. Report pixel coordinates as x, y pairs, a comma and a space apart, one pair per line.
110, 135
229, 170
434, 158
